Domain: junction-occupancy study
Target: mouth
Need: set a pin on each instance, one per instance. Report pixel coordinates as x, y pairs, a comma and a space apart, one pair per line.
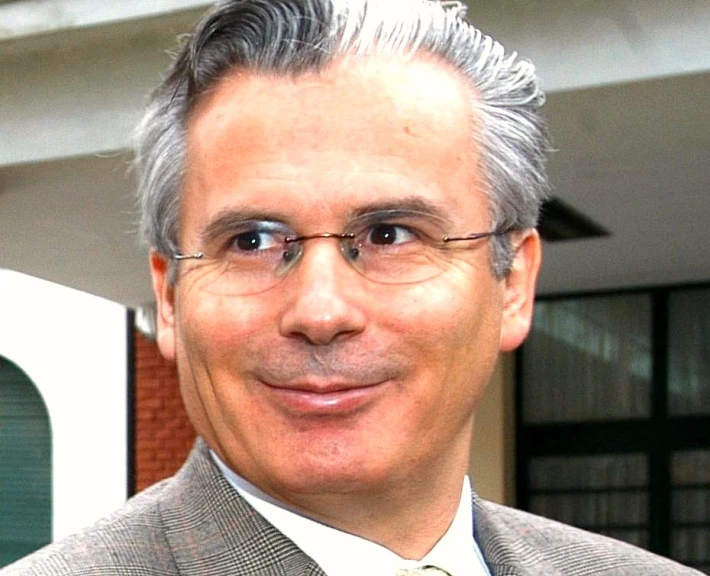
325, 398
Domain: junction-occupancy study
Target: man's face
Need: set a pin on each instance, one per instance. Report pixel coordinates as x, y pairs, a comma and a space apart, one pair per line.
328, 382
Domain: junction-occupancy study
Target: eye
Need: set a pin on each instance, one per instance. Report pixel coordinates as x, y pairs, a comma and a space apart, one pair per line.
254, 240
389, 234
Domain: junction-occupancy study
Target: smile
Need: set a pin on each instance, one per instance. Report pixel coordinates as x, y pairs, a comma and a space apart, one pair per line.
324, 399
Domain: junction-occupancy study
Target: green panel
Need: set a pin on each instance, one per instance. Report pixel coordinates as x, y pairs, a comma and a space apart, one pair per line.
26, 470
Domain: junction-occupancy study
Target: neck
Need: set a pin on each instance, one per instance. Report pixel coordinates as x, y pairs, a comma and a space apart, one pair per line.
409, 526
407, 518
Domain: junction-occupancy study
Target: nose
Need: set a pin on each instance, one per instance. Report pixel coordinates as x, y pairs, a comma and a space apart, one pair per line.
323, 299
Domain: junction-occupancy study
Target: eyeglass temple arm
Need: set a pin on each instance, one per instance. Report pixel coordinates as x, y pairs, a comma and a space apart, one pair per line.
476, 236
194, 256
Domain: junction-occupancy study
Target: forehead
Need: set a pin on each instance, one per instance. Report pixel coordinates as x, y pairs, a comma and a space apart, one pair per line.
361, 127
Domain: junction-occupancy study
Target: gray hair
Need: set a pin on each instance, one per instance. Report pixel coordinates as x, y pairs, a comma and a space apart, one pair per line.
291, 37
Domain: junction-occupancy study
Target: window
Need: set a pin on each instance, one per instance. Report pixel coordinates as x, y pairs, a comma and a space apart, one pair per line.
26, 470
605, 493
614, 418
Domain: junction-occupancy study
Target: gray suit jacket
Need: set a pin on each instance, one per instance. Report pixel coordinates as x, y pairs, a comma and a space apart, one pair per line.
196, 523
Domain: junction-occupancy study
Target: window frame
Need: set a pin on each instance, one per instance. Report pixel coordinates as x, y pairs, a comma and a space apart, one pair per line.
658, 436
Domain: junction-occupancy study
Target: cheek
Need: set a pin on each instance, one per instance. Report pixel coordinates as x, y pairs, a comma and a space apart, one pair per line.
456, 327
216, 340
456, 310
221, 329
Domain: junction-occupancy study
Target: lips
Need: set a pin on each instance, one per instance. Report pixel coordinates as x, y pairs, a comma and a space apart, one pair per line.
324, 398
334, 380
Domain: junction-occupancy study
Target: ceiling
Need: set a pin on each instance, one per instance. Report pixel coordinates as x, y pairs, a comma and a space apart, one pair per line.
636, 159
634, 156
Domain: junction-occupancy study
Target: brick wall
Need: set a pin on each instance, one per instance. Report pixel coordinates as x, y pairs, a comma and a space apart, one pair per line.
163, 434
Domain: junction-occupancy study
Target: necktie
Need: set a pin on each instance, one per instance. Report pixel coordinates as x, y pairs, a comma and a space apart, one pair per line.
423, 571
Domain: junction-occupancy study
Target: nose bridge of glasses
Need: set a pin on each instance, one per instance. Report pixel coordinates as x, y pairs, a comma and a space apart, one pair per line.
342, 239
338, 236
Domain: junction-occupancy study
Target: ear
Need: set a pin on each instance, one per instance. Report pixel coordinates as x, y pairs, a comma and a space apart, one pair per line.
520, 290
165, 300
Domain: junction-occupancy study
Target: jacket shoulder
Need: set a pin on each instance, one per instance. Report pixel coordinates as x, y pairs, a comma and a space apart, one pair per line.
128, 541
517, 542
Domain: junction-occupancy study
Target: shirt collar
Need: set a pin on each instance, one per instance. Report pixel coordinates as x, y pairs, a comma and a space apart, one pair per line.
339, 553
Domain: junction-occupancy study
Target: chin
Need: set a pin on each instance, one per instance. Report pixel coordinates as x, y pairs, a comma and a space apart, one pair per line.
318, 476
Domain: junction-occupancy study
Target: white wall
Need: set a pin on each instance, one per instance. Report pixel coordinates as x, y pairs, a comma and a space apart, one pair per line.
73, 346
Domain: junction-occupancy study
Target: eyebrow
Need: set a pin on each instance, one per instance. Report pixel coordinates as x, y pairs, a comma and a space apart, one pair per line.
228, 219
408, 204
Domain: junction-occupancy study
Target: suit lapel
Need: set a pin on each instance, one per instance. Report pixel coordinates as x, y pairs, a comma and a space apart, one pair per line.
212, 530
503, 549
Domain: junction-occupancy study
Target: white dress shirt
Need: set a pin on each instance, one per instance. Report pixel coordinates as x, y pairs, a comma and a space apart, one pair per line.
341, 554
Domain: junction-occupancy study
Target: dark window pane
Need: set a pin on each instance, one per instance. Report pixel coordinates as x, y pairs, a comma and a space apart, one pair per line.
594, 511
607, 494
691, 545
690, 475
689, 353
589, 472
691, 467
691, 506
588, 359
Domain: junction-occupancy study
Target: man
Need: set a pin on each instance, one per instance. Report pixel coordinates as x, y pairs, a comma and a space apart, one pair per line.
341, 198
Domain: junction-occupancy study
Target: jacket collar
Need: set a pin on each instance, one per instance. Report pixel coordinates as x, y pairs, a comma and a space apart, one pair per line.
211, 529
